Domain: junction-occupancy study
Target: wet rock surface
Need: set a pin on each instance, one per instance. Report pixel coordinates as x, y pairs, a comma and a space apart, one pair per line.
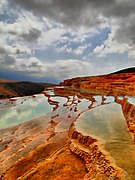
51, 147
113, 84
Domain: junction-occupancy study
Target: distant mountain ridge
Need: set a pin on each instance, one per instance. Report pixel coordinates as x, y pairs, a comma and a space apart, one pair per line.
10, 88
127, 70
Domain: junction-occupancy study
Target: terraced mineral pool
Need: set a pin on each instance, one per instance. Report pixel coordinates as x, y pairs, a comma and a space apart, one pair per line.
22, 109
107, 124
131, 100
101, 118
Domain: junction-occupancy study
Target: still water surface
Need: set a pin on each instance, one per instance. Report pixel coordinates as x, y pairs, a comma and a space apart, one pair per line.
108, 124
23, 109
102, 118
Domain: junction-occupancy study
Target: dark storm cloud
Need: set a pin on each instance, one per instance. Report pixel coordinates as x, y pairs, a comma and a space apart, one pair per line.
31, 35
72, 12
2, 50
126, 30
6, 60
87, 13
35, 65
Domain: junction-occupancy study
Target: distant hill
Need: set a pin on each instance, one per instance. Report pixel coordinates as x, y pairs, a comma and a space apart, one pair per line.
10, 88
127, 70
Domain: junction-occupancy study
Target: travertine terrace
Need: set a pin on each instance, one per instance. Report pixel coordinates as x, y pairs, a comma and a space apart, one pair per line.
112, 84
51, 147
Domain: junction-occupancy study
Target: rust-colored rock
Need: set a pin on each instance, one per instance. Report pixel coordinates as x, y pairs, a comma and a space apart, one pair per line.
112, 84
129, 114
97, 164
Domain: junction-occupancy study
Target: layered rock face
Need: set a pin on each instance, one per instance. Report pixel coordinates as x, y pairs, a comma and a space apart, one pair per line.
51, 147
128, 109
129, 114
99, 166
112, 84
39, 149
120, 86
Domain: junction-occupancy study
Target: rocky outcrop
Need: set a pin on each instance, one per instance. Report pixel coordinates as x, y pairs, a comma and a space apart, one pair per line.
99, 165
41, 149
112, 84
129, 114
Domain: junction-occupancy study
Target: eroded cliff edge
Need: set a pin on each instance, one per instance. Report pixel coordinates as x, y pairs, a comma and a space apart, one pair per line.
113, 84
116, 85
51, 147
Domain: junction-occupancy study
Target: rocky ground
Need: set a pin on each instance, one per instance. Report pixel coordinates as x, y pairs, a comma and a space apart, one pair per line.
51, 148
112, 84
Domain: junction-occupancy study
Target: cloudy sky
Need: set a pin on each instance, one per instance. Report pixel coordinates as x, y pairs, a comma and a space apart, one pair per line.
52, 40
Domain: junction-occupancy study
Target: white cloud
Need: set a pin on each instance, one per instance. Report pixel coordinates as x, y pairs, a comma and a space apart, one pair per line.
8, 62
15, 36
64, 69
65, 27
26, 27
109, 47
58, 70
90, 15
64, 48
77, 51
3, 4
113, 45
17, 49
82, 33
80, 50
50, 36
